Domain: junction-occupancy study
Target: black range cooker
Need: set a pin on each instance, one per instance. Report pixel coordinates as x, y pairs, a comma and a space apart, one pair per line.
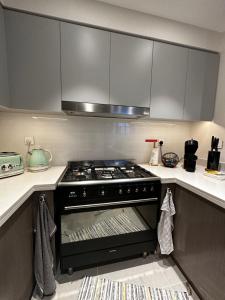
105, 211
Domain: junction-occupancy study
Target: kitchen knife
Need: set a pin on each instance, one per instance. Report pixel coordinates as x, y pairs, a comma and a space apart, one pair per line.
212, 143
216, 144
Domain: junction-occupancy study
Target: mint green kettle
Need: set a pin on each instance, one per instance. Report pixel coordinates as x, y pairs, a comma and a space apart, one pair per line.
39, 159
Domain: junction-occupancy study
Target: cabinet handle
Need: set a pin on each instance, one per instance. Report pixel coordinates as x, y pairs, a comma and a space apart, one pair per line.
74, 207
42, 197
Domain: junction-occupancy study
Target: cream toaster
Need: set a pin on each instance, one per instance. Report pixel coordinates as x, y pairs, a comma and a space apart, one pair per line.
11, 163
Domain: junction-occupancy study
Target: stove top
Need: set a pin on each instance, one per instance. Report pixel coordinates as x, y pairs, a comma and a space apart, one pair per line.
104, 171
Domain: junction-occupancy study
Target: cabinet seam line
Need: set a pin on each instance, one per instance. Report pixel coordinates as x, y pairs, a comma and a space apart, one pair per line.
110, 44
60, 57
186, 81
150, 100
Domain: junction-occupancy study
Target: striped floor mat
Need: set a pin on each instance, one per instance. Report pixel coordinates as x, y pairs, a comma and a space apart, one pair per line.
94, 288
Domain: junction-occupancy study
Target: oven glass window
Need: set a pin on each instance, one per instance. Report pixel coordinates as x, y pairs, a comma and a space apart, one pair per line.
88, 225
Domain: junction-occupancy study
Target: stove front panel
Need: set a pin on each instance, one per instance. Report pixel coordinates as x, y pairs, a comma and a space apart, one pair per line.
73, 197
106, 222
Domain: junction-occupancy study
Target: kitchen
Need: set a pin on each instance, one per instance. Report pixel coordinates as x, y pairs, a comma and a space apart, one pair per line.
91, 81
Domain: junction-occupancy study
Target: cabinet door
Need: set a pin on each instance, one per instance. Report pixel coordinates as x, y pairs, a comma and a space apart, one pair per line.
199, 243
17, 249
33, 45
16, 255
201, 85
130, 70
168, 81
4, 91
85, 56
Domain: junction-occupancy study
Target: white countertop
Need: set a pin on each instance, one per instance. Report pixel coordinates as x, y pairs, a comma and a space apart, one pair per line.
209, 188
15, 190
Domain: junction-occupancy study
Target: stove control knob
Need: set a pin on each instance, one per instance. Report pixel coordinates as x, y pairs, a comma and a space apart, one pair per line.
128, 191
102, 192
120, 191
10, 167
152, 188
144, 189
84, 193
136, 190
72, 195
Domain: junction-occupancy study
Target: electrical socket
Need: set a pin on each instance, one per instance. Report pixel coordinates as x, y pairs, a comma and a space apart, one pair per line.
161, 139
29, 140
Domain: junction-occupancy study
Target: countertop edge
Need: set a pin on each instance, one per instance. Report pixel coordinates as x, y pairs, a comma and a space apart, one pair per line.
33, 187
36, 188
8, 213
52, 186
195, 190
201, 193
211, 198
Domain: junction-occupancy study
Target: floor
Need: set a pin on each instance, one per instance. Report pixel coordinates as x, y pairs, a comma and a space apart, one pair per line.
152, 271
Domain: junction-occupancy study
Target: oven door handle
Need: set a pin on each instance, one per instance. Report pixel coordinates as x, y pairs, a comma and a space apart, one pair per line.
73, 207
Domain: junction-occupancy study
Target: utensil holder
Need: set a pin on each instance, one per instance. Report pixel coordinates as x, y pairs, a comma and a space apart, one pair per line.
213, 160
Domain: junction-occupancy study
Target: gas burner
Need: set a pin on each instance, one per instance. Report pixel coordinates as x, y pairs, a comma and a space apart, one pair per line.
81, 171
78, 174
134, 172
81, 177
108, 173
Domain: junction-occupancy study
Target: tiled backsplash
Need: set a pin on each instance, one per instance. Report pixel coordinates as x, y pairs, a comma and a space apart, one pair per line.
77, 138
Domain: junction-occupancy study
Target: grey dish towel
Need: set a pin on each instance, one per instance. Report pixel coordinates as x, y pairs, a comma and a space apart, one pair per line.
165, 226
43, 257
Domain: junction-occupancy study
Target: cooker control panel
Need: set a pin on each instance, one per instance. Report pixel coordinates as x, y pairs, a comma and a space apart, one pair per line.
74, 195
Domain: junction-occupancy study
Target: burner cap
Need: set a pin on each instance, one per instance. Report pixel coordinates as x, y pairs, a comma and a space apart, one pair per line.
81, 177
79, 173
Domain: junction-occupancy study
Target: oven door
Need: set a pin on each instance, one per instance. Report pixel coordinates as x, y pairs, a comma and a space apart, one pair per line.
97, 226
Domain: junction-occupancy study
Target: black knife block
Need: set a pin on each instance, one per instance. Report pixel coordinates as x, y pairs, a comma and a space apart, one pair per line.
213, 160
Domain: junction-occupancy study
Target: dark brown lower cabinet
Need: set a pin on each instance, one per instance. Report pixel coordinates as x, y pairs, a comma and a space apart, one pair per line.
17, 251
199, 239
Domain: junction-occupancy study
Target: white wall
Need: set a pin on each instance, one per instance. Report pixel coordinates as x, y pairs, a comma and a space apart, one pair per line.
112, 17
202, 132
80, 138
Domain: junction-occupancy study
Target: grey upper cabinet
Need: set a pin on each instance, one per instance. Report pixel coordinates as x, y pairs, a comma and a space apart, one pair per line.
33, 45
130, 70
4, 88
201, 85
168, 81
44, 61
85, 54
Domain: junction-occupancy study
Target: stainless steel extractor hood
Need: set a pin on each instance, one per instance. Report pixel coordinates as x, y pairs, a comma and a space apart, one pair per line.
104, 110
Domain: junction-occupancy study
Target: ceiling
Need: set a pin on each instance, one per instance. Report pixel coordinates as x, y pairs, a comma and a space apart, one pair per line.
209, 14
